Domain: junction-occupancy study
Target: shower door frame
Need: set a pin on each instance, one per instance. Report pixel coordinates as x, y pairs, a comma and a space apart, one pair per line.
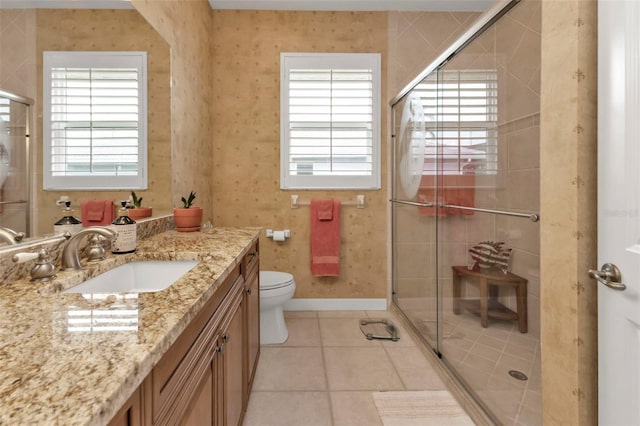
28, 102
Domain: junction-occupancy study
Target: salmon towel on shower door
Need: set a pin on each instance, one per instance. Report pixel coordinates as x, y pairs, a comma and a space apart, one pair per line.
325, 238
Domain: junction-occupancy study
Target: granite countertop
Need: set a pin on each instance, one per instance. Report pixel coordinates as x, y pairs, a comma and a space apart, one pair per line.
75, 359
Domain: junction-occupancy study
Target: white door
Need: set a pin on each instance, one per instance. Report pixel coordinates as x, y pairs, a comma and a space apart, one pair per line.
619, 211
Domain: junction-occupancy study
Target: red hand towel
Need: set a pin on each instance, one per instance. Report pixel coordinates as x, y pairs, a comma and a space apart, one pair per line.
325, 240
325, 209
97, 213
452, 189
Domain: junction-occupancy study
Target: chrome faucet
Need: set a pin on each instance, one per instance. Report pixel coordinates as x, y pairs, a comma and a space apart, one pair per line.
10, 236
43, 270
71, 251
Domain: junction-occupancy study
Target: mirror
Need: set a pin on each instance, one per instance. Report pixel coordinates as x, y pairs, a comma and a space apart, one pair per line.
34, 31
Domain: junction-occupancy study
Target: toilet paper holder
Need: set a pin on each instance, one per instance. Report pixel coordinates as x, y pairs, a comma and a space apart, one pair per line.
285, 232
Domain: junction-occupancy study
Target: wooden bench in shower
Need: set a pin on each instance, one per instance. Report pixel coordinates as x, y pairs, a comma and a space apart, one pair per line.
488, 305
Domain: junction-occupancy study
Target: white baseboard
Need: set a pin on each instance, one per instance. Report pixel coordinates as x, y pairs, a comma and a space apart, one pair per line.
336, 305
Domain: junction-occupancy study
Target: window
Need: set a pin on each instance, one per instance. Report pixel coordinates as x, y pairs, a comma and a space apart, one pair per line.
95, 120
463, 103
5, 110
330, 121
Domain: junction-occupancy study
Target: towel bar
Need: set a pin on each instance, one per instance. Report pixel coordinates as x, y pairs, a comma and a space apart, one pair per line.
359, 203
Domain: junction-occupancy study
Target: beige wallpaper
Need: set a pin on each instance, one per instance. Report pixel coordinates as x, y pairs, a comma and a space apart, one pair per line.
83, 29
246, 131
568, 227
186, 25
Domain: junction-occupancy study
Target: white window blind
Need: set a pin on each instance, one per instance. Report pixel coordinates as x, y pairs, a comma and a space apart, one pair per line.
5, 110
330, 112
95, 120
461, 109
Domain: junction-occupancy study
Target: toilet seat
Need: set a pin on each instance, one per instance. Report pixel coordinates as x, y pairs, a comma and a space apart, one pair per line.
271, 280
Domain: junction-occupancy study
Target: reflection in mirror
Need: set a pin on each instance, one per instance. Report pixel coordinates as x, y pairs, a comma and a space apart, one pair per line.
36, 30
14, 167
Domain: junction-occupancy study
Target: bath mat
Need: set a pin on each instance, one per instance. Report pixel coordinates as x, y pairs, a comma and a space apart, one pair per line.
420, 408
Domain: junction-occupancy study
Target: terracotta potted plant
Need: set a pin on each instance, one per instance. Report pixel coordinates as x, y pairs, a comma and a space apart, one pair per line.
188, 218
138, 212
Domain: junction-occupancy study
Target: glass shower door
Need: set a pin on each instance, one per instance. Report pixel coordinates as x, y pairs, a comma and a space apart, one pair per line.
465, 187
14, 170
413, 211
490, 169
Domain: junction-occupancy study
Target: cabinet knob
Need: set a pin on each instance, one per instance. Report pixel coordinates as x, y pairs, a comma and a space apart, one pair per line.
249, 290
226, 337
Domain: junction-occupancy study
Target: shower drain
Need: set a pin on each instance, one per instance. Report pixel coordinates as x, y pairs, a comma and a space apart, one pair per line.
519, 375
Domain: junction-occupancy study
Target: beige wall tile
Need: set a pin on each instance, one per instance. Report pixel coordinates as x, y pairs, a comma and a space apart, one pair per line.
416, 287
417, 38
18, 51
524, 149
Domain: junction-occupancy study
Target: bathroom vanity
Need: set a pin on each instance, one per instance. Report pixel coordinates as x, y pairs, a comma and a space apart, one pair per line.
183, 355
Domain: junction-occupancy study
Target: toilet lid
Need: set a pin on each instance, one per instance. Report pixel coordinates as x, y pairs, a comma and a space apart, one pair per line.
272, 279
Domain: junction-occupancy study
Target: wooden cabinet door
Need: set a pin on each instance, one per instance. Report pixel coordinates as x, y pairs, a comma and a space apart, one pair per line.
201, 409
233, 357
253, 326
131, 412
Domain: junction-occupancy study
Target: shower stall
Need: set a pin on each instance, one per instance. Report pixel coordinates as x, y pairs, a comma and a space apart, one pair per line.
465, 197
14, 162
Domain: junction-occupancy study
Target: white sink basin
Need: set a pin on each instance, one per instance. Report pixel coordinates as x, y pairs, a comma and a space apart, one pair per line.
136, 277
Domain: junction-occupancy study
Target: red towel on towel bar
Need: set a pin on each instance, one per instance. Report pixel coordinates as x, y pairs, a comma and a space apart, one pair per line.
325, 238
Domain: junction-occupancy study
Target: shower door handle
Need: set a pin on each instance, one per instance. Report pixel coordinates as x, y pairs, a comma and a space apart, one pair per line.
609, 275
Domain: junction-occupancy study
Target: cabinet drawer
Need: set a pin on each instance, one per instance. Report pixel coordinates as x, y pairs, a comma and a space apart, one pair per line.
174, 378
251, 260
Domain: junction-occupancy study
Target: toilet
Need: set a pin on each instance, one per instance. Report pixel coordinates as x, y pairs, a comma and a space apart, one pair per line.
276, 288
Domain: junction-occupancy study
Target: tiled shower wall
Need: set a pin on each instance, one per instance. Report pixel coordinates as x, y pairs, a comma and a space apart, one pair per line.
18, 51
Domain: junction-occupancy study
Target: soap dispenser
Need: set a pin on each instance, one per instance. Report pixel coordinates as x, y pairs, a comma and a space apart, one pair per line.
125, 227
68, 223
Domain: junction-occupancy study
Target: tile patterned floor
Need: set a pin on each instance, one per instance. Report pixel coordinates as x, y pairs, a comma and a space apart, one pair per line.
324, 374
483, 357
